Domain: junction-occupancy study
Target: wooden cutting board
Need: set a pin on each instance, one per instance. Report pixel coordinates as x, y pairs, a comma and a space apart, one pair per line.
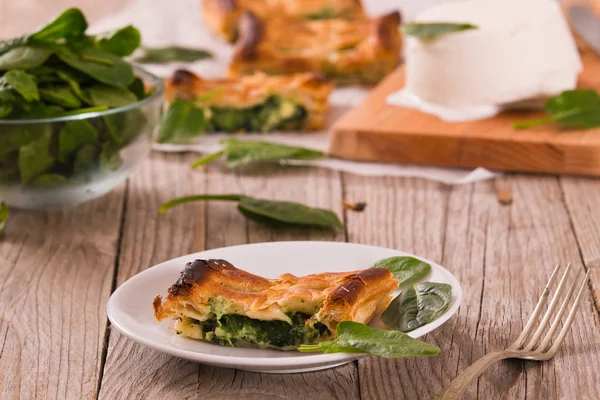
376, 131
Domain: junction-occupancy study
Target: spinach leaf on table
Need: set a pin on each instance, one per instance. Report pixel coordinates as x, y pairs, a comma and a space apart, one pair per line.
162, 55
354, 337
277, 213
242, 152
405, 269
417, 306
22, 83
3, 215
578, 108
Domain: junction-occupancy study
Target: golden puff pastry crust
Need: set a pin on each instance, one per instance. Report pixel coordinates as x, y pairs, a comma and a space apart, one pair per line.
222, 15
308, 90
349, 52
328, 298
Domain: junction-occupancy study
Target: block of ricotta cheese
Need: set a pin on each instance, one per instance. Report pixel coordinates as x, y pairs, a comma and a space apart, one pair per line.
522, 50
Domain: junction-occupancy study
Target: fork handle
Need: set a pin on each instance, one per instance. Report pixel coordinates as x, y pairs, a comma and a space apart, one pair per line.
461, 382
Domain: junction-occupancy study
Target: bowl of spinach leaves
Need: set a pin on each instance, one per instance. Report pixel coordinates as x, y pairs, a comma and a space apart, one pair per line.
75, 117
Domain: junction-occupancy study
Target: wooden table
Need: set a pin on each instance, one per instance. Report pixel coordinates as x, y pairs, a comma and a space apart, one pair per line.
58, 269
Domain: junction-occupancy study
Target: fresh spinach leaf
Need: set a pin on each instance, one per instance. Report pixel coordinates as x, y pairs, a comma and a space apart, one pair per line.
181, 122
103, 95
354, 337
405, 269
49, 180
86, 159
287, 213
73, 83
279, 213
162, 55
121, 43
434, 30
74, 135
36, 158
62, 96
24, 57
578, 108
14, 137
103, 67
69, 24
23, 83
137, 87
3, 215
242, 152
110, 157
5, 110
417, 306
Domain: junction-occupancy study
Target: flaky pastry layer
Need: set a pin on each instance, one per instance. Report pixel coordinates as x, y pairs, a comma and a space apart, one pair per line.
356, 52
328, 298
222, 16
309, 90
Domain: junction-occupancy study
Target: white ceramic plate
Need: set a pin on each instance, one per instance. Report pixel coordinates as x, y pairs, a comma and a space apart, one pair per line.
130, 306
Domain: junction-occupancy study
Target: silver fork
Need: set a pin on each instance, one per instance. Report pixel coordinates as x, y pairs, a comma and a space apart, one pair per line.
526, 346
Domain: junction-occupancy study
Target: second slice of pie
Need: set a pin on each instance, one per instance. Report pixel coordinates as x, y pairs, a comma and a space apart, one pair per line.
348, 52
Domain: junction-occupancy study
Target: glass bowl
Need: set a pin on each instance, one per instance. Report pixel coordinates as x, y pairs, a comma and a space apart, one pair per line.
56, 162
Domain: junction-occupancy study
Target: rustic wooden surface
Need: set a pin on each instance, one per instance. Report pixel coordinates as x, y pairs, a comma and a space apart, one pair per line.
57, 270
377, 131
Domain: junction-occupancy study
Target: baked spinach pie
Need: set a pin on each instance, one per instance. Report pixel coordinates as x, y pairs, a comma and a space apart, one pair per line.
255, 103
219, 303
222, 15
348, 52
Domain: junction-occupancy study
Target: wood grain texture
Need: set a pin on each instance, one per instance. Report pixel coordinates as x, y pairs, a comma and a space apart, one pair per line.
377, 131
503, 256
582, 197
56, 270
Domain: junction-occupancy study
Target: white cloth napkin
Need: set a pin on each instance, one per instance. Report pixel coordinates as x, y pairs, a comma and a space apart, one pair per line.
179, 22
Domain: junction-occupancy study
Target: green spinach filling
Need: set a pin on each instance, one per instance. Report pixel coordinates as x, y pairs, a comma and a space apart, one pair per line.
230, 329
275, 113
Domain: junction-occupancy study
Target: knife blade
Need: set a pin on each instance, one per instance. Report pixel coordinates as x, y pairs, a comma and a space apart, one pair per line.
586, 25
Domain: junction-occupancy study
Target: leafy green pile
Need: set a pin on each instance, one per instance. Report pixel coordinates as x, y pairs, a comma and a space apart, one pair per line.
578, 108
3, 215
270, 212
186, 119
60, 71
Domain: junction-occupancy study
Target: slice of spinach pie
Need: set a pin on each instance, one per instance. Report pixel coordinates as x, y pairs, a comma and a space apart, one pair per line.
255, 103
217, 302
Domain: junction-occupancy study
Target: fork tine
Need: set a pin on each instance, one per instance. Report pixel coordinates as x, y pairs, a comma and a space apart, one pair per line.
563, 307
540, 330
538, 308
569, 320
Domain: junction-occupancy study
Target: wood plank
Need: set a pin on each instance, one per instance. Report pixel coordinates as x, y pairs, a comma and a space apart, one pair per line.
377, 131
56, 272
149, 239
502, 255
582, 197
